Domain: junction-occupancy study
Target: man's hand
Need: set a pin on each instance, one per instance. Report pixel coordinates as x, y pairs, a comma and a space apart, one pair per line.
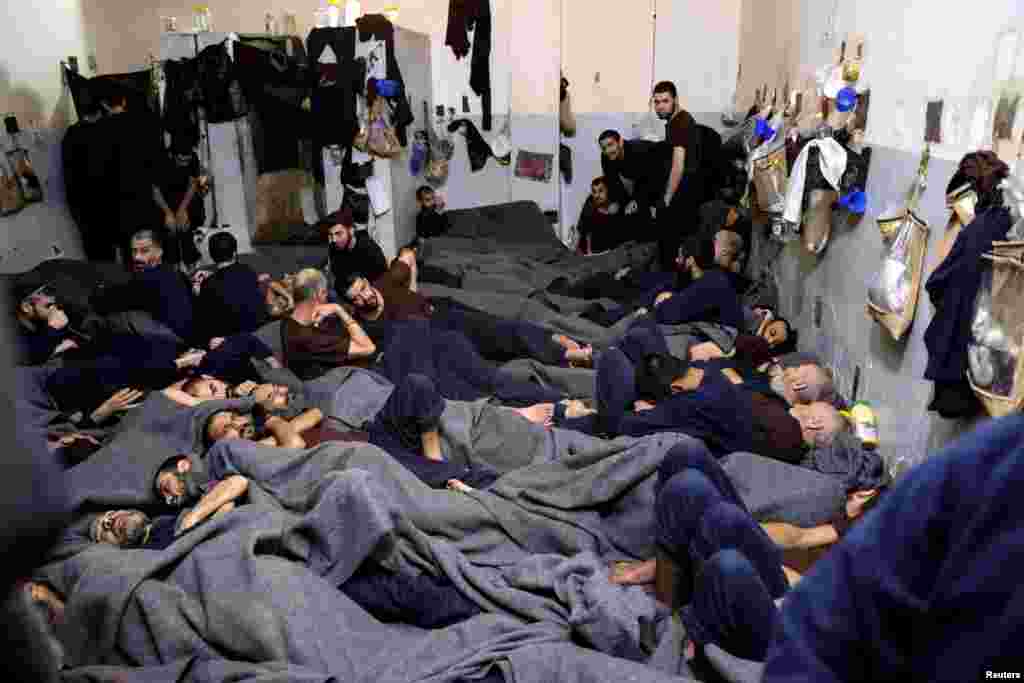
57, 319
69, 439
705, 351
639, 406
662, 298
456, 485
245, 388
118, 403
190, 358
181, 218
198, 279
188, 520
216, 342
65, 345
324, 311
170, 220
408, 257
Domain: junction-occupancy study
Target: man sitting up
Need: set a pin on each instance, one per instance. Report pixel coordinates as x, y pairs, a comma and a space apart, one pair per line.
393, 298
155, 288
710, 297
430, 221
230, 300
636, 172
601, 227
319, 335
350, 251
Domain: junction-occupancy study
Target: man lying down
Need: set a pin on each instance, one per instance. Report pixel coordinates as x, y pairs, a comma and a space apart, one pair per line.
368, 529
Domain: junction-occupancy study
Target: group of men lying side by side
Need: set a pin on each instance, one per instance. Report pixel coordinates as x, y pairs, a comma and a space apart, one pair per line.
723, 566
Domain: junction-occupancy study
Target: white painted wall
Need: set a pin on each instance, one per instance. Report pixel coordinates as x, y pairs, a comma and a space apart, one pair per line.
915, 50
698, 48
35, 37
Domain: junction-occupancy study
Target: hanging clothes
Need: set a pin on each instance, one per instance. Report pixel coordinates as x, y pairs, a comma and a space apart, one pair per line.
377, 26
275, 85
86, 189
182, 100
222, 93
473, 15
335, 77
832, 160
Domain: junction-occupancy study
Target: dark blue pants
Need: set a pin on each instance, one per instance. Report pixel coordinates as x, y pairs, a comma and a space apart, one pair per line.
697, 516
418, 599
495, 338
615, 392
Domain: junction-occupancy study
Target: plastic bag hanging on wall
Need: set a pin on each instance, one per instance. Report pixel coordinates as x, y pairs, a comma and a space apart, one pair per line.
892, 298
995, 367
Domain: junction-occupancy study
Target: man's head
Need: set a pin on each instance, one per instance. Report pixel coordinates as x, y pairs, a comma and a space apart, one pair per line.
223, 247
665, 100
599, 193
175, 483
778, 333
819, 423
611, 145
340, 230
806, 381
147, 250
123, 528
728, 248
38, 306
310, 286
697, 255
361, 294
425, 198
227, 424
207, 387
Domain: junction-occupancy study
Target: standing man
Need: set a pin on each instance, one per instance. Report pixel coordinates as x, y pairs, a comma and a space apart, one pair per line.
677, 208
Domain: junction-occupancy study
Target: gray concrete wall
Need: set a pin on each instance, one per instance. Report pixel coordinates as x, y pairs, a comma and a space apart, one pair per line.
891, 376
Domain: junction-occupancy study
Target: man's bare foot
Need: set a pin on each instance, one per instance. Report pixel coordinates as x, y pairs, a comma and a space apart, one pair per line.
580, 358
566, 343
541, 413
633, 573
576, 408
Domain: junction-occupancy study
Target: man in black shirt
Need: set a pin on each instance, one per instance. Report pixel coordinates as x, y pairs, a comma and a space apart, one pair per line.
636, 171
683, 191
430, 221
351, 252
230, 300
154, 288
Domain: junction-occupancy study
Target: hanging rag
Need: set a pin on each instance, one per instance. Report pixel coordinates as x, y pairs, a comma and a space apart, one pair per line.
832, 157
377, 26
473, 15
222, 93
565, 162
478, 149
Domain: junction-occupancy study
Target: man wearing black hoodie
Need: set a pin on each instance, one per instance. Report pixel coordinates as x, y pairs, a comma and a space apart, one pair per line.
351, 252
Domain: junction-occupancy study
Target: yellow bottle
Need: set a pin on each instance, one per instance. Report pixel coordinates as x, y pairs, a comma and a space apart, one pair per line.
865, 424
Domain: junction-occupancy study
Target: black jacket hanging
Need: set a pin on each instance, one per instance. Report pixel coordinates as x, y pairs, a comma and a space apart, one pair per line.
378, 26
222, 93
479, 150
475, 15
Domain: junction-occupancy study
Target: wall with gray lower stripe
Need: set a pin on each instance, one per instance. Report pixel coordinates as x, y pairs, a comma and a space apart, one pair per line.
891, 373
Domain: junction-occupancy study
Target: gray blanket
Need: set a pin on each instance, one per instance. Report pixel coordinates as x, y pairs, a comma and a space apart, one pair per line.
260, 583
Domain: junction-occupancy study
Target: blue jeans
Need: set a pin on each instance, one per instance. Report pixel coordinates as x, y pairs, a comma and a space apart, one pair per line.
698, 516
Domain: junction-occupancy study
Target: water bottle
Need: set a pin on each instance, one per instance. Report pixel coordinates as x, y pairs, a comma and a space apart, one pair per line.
865, 424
